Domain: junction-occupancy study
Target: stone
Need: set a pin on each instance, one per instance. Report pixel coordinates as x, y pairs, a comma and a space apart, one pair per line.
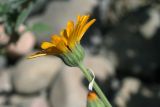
8, 106
101, 66
5, 81
29, 101
2, 100
17, 99
34, 75
147, 92
130, 86
39, 102
68, 90
131, 48
3, 62
3, 37
25, 43
149, 28
132, 4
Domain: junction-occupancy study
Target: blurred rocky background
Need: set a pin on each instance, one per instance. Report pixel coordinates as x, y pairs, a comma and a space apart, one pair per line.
122, 48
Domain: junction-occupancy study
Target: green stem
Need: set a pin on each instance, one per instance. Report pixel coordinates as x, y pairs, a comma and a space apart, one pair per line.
95, 86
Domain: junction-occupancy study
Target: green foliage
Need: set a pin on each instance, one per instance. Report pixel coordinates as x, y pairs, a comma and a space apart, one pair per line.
4, 8
16, 4
13, 13
40, 27
23, 16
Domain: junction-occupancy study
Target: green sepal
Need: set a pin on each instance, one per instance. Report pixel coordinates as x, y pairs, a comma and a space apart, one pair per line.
74, 56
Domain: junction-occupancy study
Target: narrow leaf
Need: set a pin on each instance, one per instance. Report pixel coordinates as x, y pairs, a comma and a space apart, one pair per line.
23, 16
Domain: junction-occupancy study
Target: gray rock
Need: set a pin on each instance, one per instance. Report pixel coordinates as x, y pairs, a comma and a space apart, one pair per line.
102, 67
2, 61
5, 81
28, 101
151, 26
130, 4
2, 100
39, 102
67, 90
30, 76
130, 86
8, 106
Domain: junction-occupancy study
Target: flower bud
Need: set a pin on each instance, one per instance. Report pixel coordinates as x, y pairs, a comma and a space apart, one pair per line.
93, 100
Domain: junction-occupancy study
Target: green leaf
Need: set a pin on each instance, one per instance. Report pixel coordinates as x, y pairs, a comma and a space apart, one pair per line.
4, 8
23, 16
8, 28
40, 27
14, 4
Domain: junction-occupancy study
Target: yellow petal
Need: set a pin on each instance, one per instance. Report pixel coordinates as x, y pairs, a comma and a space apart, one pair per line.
59, 40
73, 37
38, 54
78, 28
70, 27
84, 19
46, 45
78, 18
82, 24
62, 47
64, 40
55, 39
48, 51
85, 29
53, 51
64, 34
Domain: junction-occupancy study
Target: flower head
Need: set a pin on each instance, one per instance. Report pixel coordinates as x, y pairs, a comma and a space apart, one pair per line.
67, 41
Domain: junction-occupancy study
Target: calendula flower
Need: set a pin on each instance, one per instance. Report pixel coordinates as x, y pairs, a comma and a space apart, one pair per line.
67, 44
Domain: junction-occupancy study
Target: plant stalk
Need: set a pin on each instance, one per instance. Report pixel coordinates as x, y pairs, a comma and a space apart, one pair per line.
95, 85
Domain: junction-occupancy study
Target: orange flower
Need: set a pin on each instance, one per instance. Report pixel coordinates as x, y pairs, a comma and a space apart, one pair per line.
93, 100
68, 38
92, 96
